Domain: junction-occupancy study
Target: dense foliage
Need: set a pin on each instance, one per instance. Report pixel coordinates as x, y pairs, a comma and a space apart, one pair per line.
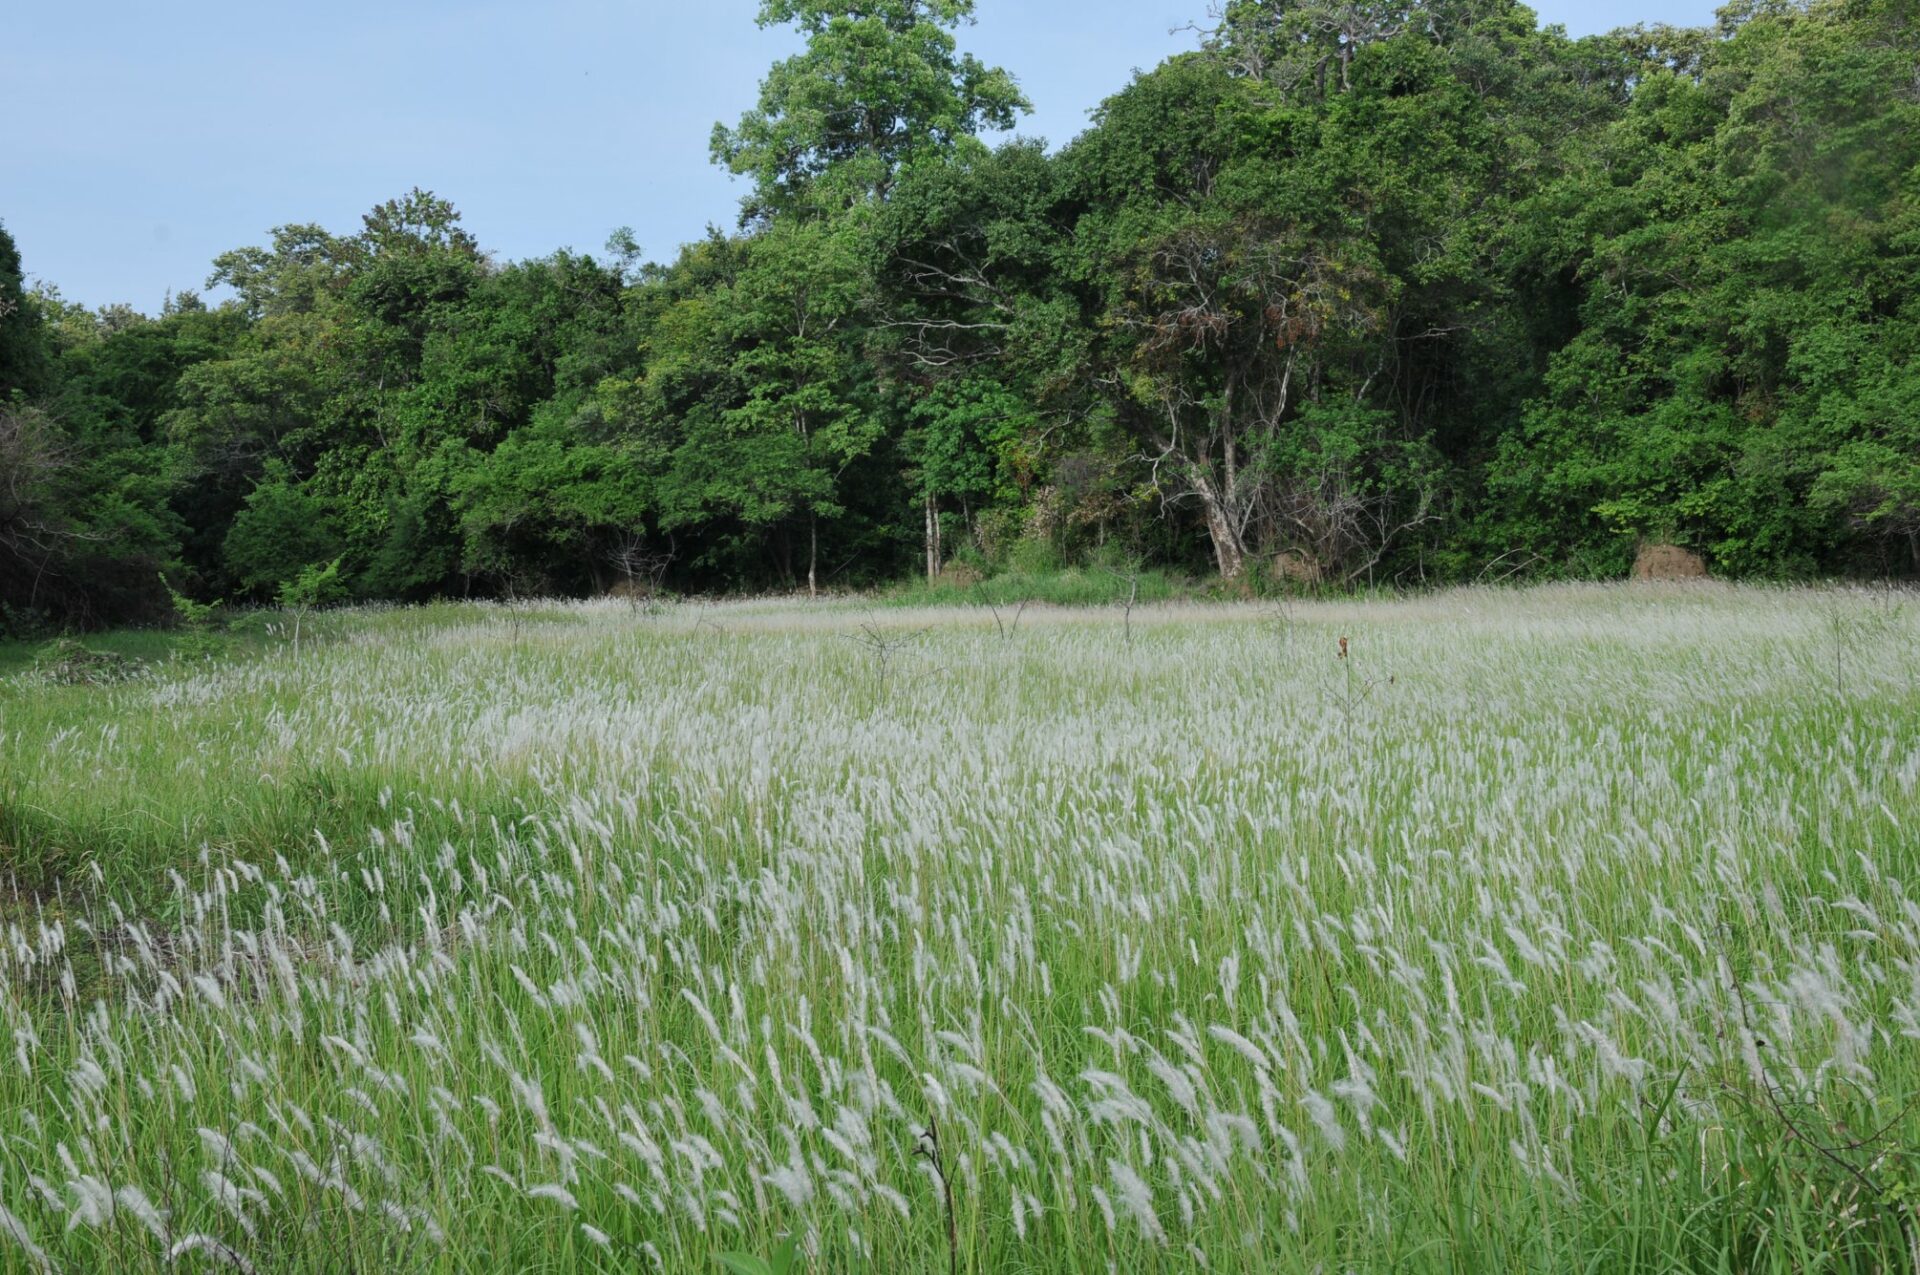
1352, 293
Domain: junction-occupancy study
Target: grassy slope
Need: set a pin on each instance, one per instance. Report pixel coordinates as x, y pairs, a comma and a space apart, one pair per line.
1201, 941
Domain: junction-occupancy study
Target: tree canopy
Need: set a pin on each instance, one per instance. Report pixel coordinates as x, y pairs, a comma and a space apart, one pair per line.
881, 85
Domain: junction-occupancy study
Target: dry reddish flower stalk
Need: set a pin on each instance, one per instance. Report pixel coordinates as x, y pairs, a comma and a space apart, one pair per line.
1343, 648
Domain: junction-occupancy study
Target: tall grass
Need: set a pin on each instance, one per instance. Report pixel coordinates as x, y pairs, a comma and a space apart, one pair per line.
1068, 587
1561, 929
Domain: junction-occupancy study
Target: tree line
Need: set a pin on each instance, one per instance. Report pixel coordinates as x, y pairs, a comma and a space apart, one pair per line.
1352, 293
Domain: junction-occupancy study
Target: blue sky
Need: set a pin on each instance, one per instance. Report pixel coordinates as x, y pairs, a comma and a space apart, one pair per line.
137, 140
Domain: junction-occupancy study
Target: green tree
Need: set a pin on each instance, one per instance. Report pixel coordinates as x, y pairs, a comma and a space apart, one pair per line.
542, 507
756, 385
24, 354
979, 343
880, 85
281, 531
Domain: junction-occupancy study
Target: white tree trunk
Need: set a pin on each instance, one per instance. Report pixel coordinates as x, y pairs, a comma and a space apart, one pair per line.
1229, 553
813, 556
933, 537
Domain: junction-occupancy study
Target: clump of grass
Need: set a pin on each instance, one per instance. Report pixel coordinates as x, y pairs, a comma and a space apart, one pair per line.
1071, 587
785, 1260
68, 662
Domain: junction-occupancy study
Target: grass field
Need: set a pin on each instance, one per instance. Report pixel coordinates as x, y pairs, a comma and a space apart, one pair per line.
1550, 930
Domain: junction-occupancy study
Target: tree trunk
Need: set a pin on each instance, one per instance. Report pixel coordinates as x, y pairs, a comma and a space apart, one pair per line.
1229, 554
813, 555
933, 536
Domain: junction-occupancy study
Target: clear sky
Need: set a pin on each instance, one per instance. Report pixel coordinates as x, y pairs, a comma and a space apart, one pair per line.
137, 140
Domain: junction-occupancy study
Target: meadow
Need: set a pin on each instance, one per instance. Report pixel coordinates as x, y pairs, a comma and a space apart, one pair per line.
1555, 929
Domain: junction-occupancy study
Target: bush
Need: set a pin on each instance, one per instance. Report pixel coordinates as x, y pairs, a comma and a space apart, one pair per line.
1033, 556
24, 623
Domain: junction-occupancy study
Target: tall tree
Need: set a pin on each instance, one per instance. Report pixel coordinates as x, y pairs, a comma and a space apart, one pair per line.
880, 85
757, 386
24, 353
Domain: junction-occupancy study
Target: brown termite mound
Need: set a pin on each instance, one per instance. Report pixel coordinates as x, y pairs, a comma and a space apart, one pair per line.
631, 590
1668, 562
1298, 568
